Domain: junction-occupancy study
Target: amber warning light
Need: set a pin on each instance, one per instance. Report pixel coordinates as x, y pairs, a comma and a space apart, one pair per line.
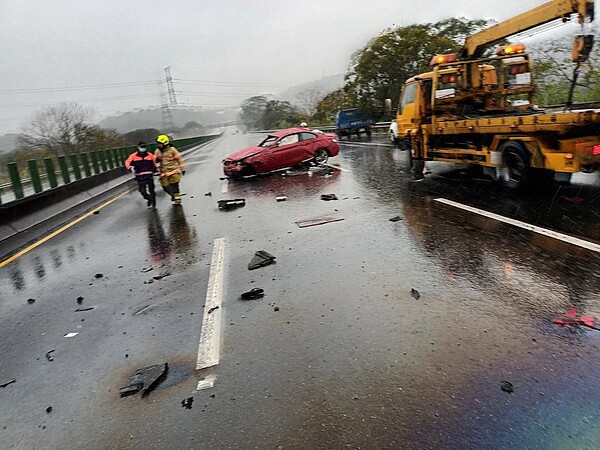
511, 49
443, 59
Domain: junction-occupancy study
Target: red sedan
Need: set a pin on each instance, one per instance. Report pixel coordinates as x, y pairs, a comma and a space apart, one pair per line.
282, 149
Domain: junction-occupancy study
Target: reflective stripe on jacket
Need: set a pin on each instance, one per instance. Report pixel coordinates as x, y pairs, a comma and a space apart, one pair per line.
142, 163
170, 160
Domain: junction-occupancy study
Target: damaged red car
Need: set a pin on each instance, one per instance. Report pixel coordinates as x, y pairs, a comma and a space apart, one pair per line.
280, 150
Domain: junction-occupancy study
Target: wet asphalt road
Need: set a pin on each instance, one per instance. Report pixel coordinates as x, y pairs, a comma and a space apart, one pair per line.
350, 359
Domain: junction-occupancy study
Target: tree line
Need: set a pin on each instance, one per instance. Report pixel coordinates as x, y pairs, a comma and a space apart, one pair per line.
379, 69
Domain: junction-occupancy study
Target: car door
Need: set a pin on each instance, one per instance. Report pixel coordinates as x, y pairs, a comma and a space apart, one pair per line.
286, 152
310, 144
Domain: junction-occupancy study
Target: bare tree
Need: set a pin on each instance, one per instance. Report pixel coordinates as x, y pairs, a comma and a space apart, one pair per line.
64, 128
308, 99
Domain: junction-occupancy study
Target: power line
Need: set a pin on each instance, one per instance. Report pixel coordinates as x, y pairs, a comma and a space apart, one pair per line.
78, 88
213, 94
232, 83
104, 99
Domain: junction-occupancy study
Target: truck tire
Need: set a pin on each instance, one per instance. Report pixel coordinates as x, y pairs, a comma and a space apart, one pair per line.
516, 165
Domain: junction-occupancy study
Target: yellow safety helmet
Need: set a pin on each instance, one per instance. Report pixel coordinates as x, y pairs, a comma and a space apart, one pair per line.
163, 139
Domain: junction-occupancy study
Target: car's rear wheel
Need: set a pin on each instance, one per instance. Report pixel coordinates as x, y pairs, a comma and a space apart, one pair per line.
368, 131
321, 156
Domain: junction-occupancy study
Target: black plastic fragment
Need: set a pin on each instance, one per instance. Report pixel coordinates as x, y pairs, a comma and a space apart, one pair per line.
396, 219
31, 300
89, 308
415, 294
507, 387
211, 310
48, 409
253, 294
98, 275
208, 194
49, 355
187, 403
79, 300
3, 385
261, 259
225, 205
328, 197
145, 380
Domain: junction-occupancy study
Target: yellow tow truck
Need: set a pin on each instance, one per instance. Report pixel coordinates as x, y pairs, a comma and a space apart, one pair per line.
479, 110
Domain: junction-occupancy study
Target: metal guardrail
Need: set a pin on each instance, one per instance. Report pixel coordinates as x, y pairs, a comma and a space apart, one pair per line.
378, 125
74, 167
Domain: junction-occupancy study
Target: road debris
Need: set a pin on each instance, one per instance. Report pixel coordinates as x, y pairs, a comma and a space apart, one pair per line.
3, 385
49, 355
253, 294
281, 198
187, 403
31, 301
96, 212
507, 386
276, 309
70, 335
48, 409
396, 219
147, 269
206, 383
575, 200
329, 197
225, 205
415, 294
208, 194
570, 318
318, 221
89, 308
79, 300
211, 310
162, 275
140, 311
98, 275
261, 258
145, 380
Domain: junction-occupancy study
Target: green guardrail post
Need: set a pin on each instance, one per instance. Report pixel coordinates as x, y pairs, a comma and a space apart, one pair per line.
108, 158
94, 157
86, 164
35, 176
15, 179
75, 165
116, 157
102, 158
124, 155
62, 163
51, 172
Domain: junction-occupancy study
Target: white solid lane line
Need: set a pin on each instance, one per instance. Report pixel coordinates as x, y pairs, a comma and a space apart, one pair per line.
210, 336
526, 226
224, 186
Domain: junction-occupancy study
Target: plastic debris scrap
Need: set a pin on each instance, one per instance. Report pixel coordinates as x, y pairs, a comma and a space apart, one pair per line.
84, 309
187, 403
253, 294
396, 219
49, 355
98, 275
145, 380
415, 294
261, 258
318, 221
211, 310
79, 300
3, 385
281, 198
225, 205
208, 194
328, 197
70, 335
48, 409
570, 318
507, 386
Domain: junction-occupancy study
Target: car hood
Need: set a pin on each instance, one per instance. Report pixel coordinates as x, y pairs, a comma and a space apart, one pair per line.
245, 153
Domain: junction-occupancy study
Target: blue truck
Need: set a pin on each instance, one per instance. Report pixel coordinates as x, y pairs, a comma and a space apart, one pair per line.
352, 121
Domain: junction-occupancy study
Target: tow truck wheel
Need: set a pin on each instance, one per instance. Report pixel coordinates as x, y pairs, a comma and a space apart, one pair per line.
516, 165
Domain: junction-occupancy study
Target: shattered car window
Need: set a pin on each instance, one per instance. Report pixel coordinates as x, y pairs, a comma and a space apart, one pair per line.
269, 141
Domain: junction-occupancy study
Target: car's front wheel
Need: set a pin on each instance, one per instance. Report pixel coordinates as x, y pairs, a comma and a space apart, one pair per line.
321, 156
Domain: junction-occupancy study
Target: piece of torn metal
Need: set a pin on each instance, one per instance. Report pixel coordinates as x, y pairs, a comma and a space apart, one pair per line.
225, 205
318, 221
70, 335
261, 258
161, 276
89, 308
3, 385
187, 403
213, 309
142, 310
570, 318
145, 380
396, 219
49, 355
147, 269
253, 294
328, 197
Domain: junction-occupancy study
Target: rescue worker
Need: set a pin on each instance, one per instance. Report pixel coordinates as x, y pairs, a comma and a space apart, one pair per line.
172, 167
303, 125
143, 164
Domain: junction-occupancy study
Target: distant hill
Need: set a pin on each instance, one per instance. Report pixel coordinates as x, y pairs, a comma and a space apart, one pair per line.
152, 118
325, 84
8, 143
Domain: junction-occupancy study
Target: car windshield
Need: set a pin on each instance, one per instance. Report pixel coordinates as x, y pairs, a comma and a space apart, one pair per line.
268, 142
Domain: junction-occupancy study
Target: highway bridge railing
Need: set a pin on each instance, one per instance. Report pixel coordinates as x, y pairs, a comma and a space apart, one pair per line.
54, 173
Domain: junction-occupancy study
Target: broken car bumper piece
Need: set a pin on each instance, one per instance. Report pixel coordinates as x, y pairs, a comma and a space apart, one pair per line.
261, 259
145, 380
231, 204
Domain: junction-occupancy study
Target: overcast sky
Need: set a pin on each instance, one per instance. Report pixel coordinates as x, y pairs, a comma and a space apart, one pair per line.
231, 48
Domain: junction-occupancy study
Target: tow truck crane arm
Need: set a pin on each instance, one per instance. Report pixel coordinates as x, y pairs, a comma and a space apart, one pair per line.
476, 44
